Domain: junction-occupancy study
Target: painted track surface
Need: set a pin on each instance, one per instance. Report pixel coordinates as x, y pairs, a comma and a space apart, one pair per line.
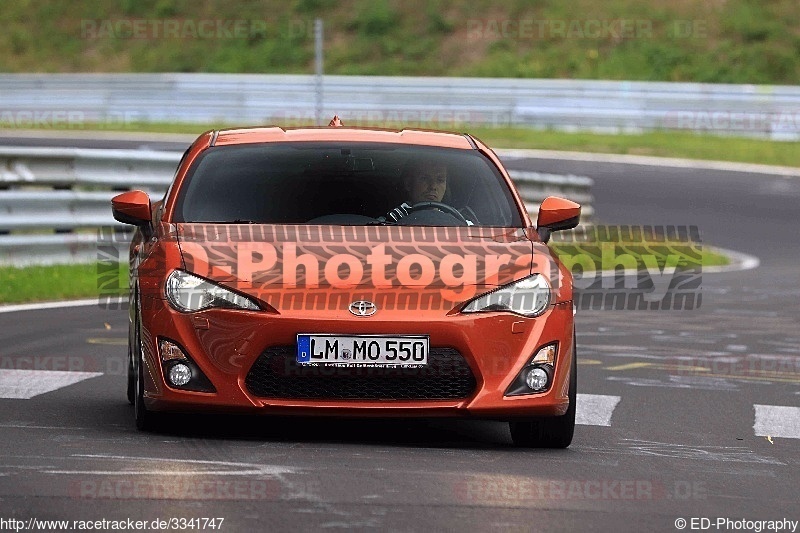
699, 393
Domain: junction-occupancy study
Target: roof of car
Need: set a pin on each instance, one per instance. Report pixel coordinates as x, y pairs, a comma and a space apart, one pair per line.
263, 134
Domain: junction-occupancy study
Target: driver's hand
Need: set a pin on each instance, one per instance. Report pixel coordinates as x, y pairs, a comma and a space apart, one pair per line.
398, 212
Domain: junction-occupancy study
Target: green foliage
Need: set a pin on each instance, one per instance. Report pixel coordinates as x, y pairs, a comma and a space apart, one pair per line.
136, 7
437, 22
313, 6
736, 41
751, 22
165, 9
375, 18
60, 282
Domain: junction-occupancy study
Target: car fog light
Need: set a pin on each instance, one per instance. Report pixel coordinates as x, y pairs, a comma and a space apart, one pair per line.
180, 375
536, 378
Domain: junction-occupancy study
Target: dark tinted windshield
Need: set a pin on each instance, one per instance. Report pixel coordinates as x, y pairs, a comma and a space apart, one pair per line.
344, 183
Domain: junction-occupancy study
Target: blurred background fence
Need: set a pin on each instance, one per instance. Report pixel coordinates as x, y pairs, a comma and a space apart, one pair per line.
75, 100
52, 200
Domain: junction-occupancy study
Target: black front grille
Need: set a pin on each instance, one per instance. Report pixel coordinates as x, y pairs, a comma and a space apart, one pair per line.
276, 374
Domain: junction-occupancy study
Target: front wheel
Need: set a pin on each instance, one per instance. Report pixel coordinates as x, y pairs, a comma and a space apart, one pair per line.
133, 346
550, 431
131, 381
145, 420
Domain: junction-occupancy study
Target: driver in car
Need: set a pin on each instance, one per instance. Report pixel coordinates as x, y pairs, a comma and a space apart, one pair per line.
424, 181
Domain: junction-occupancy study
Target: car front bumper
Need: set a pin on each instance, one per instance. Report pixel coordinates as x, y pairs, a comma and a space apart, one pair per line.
225, 344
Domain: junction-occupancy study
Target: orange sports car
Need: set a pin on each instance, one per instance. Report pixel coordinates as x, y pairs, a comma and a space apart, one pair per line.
350, 272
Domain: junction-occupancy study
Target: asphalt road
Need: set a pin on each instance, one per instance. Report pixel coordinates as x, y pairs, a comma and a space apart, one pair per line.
686, 414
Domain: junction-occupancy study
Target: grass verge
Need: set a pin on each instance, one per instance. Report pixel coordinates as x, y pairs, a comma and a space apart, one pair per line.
641, 256
657, 143
62, 282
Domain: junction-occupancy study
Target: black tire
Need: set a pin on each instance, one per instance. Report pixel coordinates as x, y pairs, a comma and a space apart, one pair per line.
145, 420
131, 370
549, 431
131, 379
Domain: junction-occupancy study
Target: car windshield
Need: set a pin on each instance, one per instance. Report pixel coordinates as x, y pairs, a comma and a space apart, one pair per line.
345, 184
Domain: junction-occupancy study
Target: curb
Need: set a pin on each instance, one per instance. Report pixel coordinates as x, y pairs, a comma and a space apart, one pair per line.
739, 262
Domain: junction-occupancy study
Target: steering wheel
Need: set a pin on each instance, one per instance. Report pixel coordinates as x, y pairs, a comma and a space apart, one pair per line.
449, 209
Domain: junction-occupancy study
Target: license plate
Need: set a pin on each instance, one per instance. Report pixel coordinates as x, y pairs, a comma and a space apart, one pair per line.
362, 350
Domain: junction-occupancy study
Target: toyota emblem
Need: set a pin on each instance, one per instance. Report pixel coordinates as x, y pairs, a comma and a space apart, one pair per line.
363, 308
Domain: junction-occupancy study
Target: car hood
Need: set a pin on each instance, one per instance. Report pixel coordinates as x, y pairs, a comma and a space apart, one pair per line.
271, 261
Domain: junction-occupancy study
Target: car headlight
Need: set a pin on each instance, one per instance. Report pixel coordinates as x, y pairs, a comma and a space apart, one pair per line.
188, 292
529, 297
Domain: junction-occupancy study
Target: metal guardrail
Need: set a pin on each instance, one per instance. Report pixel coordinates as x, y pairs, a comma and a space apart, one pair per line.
68, 191
536, 186
73, 100
24, 250
71, 167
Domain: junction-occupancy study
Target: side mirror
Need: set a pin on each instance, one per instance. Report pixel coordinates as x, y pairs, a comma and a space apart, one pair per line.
132, 207
556, 214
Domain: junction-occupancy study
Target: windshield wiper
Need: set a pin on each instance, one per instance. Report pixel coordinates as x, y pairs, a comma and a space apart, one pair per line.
380, 222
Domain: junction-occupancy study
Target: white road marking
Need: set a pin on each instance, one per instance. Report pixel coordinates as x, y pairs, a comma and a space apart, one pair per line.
25, 384
60, 305
678, 382
60, 428
175, 467
777, 421
730, 454
158, 472
595, 409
